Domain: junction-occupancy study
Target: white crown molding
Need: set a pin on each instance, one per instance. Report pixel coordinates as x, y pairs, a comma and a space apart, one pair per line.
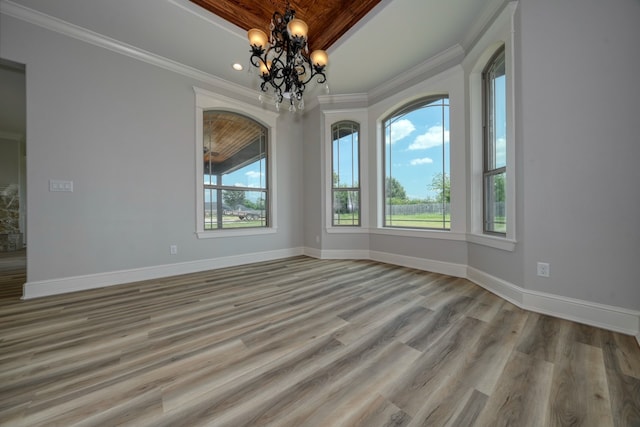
359, 98
209, 17
453, 54
57, 25
490, 16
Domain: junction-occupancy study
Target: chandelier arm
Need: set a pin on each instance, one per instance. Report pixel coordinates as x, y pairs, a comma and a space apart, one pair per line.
285, 65
256, 58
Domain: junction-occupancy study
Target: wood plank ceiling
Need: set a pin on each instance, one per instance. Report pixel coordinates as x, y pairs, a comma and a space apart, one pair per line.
226, 134
327, 19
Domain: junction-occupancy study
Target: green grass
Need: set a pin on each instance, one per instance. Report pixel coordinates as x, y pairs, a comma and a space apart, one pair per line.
433, 221
419, 221
229, 221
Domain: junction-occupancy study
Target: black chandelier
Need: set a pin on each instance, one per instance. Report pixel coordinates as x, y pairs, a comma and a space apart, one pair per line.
283, 59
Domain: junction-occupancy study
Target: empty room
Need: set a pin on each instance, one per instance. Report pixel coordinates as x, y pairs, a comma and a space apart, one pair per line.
319, 213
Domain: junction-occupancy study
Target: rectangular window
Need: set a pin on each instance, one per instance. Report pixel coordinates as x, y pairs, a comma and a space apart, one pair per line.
416, 160
495, 145
345, 187
235, 171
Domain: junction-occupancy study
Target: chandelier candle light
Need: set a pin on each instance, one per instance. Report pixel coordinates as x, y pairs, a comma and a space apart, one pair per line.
283, 59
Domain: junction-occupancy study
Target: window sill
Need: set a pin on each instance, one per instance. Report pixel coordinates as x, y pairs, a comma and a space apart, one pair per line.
347, 230
502, 243
216, 234
415, 232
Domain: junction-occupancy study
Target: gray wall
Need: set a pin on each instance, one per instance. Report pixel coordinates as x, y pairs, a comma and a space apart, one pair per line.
579, 68
312, 195
123, 132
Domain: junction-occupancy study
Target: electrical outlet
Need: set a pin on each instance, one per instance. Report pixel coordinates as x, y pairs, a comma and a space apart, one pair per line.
543, 269
173, 249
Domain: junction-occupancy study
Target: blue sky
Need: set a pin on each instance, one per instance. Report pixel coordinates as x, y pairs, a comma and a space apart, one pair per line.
417, 148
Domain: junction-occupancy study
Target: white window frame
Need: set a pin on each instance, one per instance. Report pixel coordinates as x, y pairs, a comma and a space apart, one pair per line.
206, 100
357, 115
450, 82
355, 127
501, 32
405, 109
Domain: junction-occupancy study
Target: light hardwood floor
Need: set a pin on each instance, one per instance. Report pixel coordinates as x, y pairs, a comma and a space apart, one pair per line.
307, 342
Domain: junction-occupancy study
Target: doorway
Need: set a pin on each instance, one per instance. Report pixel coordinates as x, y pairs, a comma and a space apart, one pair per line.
13, 179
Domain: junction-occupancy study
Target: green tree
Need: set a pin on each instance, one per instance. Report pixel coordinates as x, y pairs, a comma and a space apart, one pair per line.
394, 190
441, 184
343, 201
233, 198
500, 187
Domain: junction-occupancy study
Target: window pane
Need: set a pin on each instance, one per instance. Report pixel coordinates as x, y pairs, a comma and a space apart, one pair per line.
251, 175
495, 144
210, 209
495, 209
243, 208
417, 171
345, 174
346, 205
235, 171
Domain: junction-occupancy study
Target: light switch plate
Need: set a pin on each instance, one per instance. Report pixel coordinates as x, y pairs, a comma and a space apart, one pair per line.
60, 185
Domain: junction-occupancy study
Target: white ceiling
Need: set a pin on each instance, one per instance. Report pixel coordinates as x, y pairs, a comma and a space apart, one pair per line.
396, 35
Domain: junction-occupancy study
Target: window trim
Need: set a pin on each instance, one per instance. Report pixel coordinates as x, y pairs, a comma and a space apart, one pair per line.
354, 124
207, 100
359, 116
219, 188
452, 82
487, 171
405, 108
501, 32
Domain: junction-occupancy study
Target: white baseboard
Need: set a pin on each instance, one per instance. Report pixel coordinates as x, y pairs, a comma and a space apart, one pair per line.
448, 268
99, 280
604, 316
600, 315
336, 254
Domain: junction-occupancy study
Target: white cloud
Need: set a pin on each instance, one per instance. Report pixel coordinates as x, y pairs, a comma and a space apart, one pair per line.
240, 184
254, 174
501, 151
401, 129
422, 161
431, 138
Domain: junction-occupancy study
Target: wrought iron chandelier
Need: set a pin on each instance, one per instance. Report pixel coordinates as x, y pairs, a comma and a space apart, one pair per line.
283, 58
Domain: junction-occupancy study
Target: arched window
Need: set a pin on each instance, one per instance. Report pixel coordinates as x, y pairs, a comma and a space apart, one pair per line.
417, 165
345, 168
494, 147
235, 171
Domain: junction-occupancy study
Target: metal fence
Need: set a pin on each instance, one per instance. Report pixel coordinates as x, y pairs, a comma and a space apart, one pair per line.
420, 208
499, 209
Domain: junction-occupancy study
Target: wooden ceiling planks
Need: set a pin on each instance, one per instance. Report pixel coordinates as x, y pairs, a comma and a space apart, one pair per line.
328, 20
225, 134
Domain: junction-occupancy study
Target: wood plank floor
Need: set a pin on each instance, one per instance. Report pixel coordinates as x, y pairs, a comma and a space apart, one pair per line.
307, 342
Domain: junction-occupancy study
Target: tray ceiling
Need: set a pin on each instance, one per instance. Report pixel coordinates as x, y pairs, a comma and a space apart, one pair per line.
327, 19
